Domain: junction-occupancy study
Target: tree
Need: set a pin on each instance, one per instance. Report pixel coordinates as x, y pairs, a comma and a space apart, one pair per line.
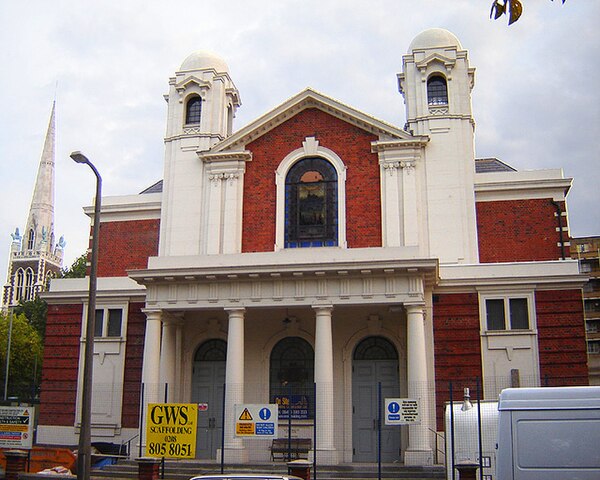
35, 313
512, 8
77, 269
25, 363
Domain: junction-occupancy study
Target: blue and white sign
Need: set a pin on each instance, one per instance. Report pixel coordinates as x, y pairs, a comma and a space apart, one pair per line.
402, 411
256, 420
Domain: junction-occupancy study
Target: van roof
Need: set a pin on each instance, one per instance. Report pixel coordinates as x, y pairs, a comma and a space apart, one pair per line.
545, 398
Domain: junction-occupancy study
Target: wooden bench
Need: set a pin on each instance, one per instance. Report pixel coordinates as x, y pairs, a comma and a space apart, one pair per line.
288, 449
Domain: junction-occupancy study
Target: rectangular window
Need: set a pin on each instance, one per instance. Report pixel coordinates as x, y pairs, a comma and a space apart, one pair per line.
507, 313
108, 322
594, 347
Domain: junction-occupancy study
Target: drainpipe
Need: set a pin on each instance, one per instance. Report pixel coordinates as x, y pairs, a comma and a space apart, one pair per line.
560, 230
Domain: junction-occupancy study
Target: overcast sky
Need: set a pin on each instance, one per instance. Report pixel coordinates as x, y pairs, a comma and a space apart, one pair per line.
536, 99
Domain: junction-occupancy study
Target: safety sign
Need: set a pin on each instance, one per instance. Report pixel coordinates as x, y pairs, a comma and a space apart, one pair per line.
256, 420
402, 411
16, 427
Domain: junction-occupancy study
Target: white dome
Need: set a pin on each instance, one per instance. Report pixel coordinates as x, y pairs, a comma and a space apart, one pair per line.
434, 37
202, 60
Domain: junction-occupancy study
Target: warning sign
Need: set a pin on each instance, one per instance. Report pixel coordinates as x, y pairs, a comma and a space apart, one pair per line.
16, 427
402, 411
171, 430
245, 415
256, 420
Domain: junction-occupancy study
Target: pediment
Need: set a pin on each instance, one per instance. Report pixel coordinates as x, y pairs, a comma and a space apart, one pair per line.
189, 81
448, 62
306, 99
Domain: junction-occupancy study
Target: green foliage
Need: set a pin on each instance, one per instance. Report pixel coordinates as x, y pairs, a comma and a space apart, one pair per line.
26, 350
512, 8
77, 269
35, 312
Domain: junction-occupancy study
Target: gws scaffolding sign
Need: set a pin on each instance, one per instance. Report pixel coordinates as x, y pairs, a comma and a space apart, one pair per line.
171, 430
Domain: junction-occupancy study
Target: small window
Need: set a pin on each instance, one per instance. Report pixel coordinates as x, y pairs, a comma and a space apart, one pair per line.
594, 347
193, 110
507, 313
29, 285
437, 91
108, 322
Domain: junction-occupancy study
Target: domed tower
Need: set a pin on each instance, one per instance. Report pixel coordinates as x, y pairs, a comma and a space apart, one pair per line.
436, 82
202, 102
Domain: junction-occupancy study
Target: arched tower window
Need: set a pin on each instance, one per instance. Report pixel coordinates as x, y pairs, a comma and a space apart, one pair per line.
291, 377
193, 110
19, 284
31, 239
437, 90
311, 209
29, 284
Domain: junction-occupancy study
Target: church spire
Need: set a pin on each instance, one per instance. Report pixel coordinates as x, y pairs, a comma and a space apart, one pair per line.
34, 254
39, 230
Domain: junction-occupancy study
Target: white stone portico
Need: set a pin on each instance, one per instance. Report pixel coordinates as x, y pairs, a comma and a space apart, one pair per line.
333, 282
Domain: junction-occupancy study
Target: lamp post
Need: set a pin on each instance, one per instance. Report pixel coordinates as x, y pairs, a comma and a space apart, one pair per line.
10, 325
84, 451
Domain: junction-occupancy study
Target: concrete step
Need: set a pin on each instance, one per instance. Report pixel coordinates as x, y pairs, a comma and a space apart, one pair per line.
185, 469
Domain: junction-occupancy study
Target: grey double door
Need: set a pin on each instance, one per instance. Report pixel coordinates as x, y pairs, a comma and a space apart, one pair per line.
208, 385
366, 376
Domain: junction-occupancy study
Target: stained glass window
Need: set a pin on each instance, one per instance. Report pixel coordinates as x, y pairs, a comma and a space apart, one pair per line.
311, 204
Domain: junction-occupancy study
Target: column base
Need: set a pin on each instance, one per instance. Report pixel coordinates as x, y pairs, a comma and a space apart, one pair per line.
234, 455
418, 457
325, 457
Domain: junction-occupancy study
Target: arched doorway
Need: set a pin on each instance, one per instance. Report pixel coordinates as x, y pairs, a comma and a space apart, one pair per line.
208, 388
375, 360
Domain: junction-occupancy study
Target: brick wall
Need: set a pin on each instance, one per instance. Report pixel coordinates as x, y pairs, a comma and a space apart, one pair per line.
561, 337
457, 347
59, 370
134, 355
351, 144
518, 230
126, 245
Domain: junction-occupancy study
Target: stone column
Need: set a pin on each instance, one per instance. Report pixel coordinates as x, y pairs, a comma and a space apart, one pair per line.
326, 452
234, 384
419, 449
151, 365
168, 351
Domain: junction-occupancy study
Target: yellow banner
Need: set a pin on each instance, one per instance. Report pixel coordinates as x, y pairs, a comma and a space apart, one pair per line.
171, 430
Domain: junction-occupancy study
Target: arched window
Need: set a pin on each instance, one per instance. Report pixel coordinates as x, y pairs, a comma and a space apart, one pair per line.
437, 90
29, 285
193, 110
292, 377
19, 284
31, 239
375, 348
311, 209
211, 351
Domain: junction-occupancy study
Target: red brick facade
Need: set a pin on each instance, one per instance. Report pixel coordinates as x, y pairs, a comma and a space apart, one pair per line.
351, 144
134, 355
561, 337
518, 230
457, 346
126, 245
61, 357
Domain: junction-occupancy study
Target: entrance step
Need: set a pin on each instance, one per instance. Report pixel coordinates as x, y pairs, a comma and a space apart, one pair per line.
186, 469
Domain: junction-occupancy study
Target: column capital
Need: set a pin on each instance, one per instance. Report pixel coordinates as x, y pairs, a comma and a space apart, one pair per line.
152, 314
328, 308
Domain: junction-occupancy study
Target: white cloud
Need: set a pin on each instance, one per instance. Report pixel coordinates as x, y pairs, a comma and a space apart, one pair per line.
535, 100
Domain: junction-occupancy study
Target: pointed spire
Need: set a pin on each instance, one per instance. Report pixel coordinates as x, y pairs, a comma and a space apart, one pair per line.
39, 231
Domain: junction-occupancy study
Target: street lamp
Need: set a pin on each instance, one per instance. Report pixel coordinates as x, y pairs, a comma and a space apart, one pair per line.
84, 452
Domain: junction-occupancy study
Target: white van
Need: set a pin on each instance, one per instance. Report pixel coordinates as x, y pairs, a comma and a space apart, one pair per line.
550, 433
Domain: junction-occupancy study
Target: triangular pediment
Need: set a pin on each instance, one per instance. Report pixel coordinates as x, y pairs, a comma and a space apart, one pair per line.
436, 57
306, 99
